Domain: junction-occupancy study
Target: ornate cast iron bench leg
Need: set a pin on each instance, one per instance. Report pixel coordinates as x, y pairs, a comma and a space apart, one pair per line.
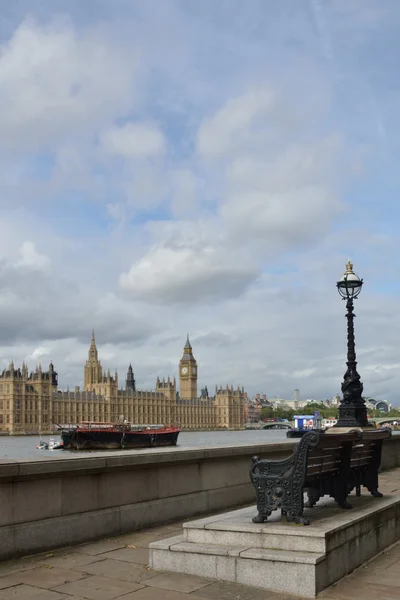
313, 495
341, 492
294, 510
261, 517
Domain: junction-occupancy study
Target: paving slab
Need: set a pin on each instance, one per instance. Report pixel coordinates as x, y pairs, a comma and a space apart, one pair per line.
101, 547
98, 588
149, 593
28, 592
11, 567
118, 569
68, 560
132, 555
178, 582
41, 577
222, 590
351, 590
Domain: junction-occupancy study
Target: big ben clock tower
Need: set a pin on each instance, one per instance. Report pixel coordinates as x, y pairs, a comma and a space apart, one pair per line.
188, 373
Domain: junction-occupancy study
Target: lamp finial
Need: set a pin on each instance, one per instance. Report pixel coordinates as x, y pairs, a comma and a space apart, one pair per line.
349, 266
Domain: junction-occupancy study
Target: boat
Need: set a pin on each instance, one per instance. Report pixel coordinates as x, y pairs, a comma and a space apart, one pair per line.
117, 436
50, 445
305, 423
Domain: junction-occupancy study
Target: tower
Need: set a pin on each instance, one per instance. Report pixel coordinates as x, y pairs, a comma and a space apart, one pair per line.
93, 370
130, 384
188, 373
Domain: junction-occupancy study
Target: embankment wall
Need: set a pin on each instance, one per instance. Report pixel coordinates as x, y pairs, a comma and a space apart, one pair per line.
53, 503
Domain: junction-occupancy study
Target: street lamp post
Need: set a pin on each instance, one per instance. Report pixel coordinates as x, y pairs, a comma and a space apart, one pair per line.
352, 409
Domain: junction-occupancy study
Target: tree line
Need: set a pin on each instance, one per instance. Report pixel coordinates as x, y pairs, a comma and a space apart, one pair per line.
325, 412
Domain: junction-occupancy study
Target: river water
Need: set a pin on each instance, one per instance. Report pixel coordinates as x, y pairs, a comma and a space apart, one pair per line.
24, 447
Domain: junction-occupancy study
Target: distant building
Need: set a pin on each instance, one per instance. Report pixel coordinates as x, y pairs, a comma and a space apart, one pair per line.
382, 405
32, 403
252, 410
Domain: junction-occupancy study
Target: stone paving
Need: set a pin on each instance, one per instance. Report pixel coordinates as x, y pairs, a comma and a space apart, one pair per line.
117, 568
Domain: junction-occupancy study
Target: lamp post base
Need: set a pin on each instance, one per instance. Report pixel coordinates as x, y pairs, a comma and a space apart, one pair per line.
336, 429
353, 414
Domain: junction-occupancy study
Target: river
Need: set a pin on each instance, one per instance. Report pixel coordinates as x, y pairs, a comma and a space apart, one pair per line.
24, 447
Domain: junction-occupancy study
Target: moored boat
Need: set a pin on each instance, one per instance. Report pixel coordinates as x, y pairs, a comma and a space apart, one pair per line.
110, 436
305, 423
52, 444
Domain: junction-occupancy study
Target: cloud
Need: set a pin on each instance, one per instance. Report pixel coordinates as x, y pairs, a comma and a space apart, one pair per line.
30, 258
215, 185
234, 125
57, 84
188, 268
134, 140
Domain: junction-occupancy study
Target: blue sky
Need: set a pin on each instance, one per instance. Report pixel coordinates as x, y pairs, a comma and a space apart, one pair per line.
207, 167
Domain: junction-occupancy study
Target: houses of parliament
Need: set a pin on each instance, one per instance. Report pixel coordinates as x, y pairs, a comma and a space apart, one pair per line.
31, 402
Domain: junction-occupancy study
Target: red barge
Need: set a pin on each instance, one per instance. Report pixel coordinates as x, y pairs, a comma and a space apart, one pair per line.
117, 436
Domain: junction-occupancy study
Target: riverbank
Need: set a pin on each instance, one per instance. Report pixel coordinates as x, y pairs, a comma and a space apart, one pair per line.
52, 503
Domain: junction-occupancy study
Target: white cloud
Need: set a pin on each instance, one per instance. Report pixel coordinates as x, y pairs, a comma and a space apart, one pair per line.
183, 272
233, 125
30, 258
39, 353
134, 140
57, 83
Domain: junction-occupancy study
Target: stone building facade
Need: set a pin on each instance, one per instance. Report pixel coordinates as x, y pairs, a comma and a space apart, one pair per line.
31, 402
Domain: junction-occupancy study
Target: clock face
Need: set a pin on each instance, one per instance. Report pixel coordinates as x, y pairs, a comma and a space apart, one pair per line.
194, 370
184, 370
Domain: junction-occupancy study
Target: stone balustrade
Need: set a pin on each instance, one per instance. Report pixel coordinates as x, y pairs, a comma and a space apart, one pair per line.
53, 503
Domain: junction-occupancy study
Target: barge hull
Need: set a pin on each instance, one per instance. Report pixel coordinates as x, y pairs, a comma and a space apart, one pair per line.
117, 440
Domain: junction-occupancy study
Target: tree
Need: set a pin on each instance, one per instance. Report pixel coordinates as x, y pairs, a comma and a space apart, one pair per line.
267, 412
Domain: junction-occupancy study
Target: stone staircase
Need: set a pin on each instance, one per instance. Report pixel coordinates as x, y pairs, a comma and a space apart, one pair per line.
279, 556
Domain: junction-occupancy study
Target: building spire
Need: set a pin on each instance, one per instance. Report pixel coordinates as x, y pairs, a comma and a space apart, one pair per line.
187, 345
130, 383
187, 350
93, 356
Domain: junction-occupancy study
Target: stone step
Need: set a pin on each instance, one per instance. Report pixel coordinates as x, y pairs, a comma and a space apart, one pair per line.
279, 556
246, 565
237, 528
265, 536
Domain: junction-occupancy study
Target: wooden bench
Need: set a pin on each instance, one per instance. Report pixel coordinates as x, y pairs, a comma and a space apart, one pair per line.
325, 464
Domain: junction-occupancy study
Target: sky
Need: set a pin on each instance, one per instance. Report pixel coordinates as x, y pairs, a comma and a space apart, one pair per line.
175, 166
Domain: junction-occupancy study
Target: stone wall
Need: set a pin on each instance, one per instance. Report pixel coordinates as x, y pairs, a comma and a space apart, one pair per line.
55, 503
